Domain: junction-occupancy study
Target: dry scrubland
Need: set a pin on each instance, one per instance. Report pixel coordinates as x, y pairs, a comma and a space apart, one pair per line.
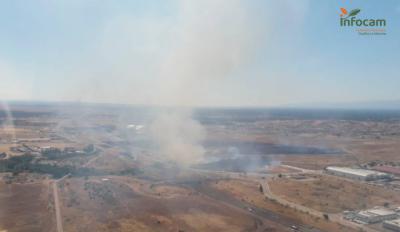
332, 194
26, 207
129, 204
248, 190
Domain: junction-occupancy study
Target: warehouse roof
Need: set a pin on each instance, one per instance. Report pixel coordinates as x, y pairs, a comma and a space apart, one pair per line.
358, 172
376, 212
395, 222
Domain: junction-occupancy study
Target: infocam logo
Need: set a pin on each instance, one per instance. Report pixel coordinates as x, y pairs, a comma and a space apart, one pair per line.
370, 26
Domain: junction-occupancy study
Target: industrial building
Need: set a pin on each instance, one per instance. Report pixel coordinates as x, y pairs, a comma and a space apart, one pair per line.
392, 225
375, 215
357, 174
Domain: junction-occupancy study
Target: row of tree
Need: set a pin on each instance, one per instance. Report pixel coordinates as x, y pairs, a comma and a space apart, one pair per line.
26, 163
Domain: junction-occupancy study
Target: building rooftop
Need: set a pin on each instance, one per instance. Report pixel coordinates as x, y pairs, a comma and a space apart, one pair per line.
395, 222
376, 212
358, 172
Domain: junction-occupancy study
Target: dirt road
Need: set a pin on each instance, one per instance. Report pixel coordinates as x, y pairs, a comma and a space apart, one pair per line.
57, 207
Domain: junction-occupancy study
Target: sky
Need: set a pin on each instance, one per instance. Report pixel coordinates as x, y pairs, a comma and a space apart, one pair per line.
197, 53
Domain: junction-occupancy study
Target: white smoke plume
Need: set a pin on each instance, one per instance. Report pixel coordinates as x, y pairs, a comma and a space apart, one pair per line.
212, 40
192, 53
179, 137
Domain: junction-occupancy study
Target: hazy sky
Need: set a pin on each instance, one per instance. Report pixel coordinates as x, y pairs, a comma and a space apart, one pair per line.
205, 52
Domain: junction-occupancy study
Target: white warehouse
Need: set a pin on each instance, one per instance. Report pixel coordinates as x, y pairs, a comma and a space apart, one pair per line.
392, 225
375, 215
358, 174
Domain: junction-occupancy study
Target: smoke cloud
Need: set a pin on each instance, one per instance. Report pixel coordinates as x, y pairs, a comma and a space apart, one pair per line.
179, 137
179, 53
212, 40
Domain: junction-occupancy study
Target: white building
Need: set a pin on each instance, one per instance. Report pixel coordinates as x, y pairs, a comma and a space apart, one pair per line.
392, 225
375, 215
358, 174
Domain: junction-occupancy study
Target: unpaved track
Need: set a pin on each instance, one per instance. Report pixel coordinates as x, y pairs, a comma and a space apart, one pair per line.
57, 206
57, 203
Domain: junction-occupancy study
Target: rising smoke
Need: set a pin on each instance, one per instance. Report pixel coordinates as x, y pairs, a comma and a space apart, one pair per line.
212, 40
179, 137
187, 55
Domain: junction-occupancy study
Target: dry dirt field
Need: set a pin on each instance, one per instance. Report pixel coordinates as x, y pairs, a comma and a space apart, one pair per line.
248, 191
332, 194
120, 204
315, 162
26, 207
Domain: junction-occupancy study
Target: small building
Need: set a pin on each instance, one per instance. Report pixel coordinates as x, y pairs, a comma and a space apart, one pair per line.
357, 174
375, 215
392, 225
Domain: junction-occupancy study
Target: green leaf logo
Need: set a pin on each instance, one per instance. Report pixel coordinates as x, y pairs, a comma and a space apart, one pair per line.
353, 12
